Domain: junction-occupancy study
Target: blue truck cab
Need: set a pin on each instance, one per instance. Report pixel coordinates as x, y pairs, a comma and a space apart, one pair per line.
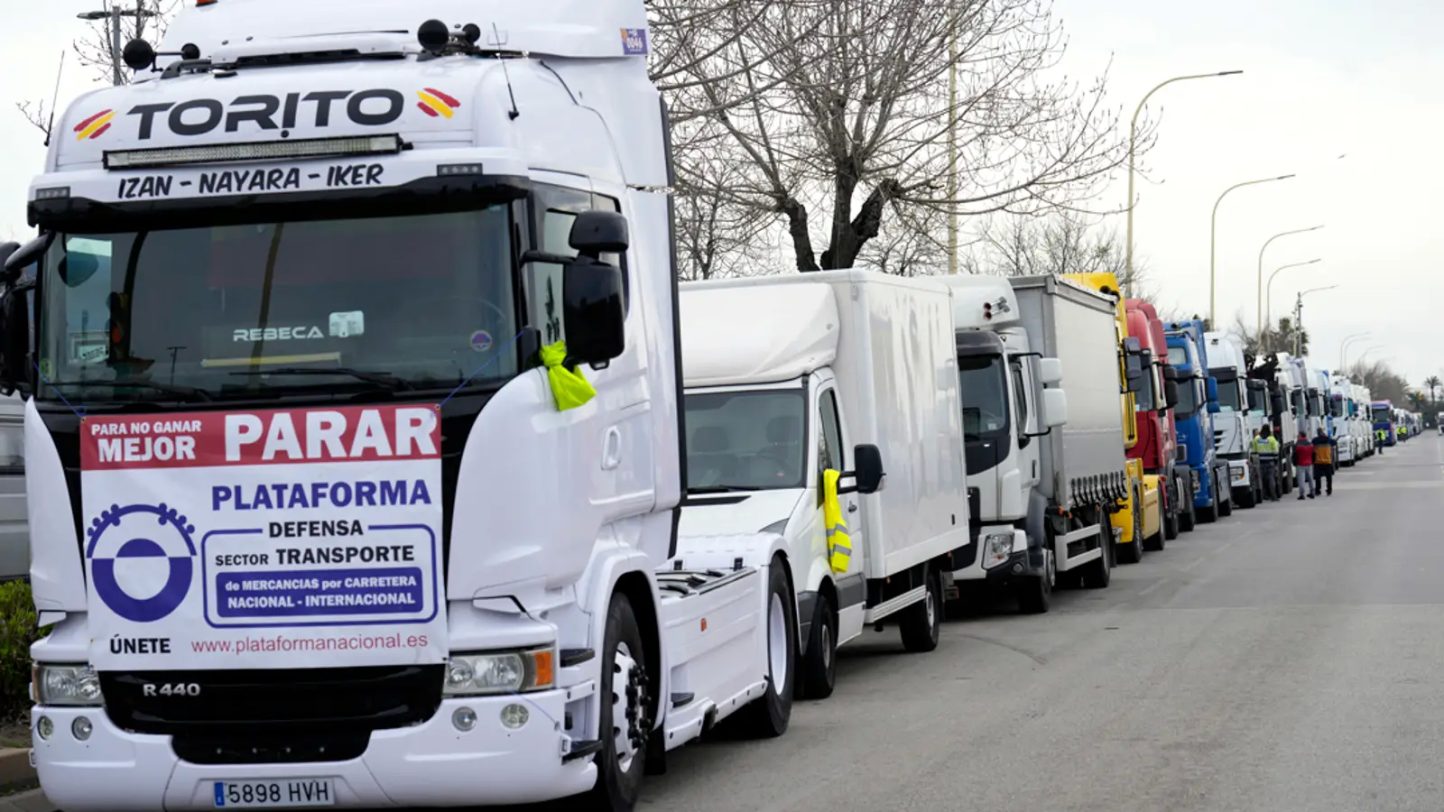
1197, 403
1383, 413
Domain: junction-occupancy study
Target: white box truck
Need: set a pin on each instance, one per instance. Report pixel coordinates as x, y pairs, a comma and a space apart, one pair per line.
792, 376
1038, 360
338, 524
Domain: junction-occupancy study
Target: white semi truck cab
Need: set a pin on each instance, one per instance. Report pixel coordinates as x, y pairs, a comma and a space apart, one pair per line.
1233, 425
354, 436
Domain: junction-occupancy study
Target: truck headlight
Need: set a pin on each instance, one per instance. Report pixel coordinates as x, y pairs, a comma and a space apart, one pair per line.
997, 548
1239, 473
503, 672
76, 686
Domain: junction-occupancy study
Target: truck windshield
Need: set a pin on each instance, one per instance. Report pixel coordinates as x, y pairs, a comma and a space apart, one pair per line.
1383, 414
746, 441
1177, 356
1230, 396
237, 311
985, 396
1257, 400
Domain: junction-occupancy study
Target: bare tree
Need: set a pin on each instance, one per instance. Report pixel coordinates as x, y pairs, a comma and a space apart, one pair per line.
144, 19
838, 115
1061, 244
1383, 382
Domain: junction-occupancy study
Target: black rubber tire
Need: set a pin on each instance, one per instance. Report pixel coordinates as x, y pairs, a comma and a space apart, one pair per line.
768, 715
1209, 515
1187, 516
1158, 540
1171, 519
1099, 574
1224, 506
921, 624
1132, 552
1247, 500
1035, 593
818, 667
616, 789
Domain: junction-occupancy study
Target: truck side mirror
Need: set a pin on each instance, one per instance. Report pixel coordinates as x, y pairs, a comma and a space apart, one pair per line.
1050, 371
593, 291
1055, 408
1133, 365
15, 339
869, 473
1170, 395
1211, 387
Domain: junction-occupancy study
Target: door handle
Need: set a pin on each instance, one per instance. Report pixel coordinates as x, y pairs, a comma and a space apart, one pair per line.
612, 449
852, 508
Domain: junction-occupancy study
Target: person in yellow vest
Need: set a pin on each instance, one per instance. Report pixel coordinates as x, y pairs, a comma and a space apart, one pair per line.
1266, 446
1324, 450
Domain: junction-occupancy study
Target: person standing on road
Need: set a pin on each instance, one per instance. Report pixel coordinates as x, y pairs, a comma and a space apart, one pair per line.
1324, 455
1304, 465
1379, 436
1266, 446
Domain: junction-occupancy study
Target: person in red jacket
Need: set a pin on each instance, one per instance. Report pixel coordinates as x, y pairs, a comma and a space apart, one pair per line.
1304, 467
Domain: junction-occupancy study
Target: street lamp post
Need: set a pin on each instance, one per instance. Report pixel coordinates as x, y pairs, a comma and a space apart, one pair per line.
114, 13
1269, 289
1299, 317
1132, 153
1261, 326
1213, 245
1344, 349
1365, 354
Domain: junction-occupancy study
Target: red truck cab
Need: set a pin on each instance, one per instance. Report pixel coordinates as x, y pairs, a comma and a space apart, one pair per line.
1157, 445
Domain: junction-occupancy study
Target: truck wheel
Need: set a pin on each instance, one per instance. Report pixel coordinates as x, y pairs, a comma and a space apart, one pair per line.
1171, 520
1247, 500
1225, 506
767, 717
922, 623
1187, 518
819, 664
626, 718
1132, 552
1035, 593
1209, 514
1098, 574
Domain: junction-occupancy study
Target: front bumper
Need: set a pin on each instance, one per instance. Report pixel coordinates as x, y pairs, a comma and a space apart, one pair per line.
1018, 559
1240, 474
431, 764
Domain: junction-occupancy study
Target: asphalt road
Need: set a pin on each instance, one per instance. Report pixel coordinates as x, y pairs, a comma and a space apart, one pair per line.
1288, 658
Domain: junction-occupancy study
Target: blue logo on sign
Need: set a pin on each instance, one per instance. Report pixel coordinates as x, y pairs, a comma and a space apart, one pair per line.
141, 560
634, 41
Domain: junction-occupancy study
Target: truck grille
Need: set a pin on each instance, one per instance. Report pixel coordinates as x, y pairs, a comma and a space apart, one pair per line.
241, 716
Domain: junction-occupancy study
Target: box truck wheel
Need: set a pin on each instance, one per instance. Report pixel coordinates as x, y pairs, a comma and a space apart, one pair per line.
1035, 592
768, 715
626, 714
922, 623
819, 664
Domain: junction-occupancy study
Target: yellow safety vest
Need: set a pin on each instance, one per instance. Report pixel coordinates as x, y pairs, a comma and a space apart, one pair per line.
839, 544
569, 388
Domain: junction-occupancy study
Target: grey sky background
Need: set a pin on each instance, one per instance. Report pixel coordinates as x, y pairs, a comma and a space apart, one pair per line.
1323, 78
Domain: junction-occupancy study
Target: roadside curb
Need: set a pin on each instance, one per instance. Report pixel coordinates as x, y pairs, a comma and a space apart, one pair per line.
31, 801
15, 770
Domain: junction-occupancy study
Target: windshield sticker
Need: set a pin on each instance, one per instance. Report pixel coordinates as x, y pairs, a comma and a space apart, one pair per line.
87, 349
481, 341
348, 325
253, 540
634, 41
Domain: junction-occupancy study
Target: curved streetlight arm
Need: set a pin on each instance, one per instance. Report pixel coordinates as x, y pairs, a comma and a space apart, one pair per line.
1269, 294
1213, 243
1344, 349
1133, 145
1261, 252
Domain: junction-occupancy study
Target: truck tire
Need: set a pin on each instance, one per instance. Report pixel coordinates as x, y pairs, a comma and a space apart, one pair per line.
623, 756
768, 715
1132, 552
1035, 592
819, 664
1171, 518
922, 623
1225, 506
1247, 500
1209, 515
1187, 518
1099, 574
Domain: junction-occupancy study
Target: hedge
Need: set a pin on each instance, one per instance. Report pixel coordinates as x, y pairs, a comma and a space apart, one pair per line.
17, 632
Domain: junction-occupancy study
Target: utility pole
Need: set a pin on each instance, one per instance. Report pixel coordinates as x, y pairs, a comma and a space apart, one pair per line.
953, 149
117, 46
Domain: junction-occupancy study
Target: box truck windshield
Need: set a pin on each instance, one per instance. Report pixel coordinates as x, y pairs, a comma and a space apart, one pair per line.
746, 441
233, 311
1230, 396
985, 399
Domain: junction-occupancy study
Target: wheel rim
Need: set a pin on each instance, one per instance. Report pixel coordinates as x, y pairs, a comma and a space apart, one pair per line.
827, 645
932, 609
629, 718
777, 644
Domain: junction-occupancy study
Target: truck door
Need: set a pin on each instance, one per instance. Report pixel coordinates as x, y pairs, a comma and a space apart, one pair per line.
1024, 384
832, 454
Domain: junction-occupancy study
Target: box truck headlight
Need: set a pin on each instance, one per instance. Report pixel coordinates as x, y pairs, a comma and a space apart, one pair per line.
997, 548
505, 672
76, 686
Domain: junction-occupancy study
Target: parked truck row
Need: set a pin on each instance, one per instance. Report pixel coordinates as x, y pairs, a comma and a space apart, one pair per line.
375, 457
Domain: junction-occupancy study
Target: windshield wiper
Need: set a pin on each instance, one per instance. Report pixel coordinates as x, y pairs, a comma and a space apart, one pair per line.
185, 393
381, 379
720, 489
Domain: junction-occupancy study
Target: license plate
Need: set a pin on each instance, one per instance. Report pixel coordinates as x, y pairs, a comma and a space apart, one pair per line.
289, 793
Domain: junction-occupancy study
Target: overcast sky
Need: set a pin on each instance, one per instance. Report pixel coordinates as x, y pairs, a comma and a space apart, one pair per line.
1323, 78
